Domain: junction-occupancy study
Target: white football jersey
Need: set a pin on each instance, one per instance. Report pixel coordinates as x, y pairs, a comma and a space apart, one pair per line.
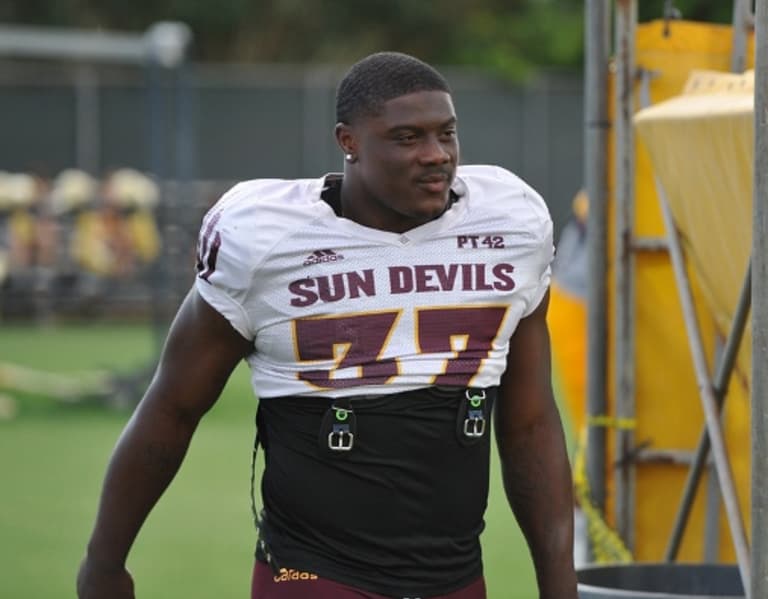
336, 308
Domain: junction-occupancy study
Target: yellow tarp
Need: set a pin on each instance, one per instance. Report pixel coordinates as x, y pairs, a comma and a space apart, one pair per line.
701, 148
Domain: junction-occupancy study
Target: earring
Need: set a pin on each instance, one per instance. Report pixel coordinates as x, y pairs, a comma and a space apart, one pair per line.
349, 157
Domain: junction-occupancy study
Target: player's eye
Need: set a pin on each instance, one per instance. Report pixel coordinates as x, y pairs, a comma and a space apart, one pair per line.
405, 138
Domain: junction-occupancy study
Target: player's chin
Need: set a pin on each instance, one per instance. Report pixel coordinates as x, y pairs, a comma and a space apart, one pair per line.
429, 205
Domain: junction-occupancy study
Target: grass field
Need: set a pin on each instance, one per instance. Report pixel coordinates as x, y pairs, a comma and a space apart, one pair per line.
198, 541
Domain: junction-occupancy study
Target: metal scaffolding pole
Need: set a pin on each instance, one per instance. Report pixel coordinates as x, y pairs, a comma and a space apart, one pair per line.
742, 21
720, 387
596, 126
760, 311
624, 334
707, 395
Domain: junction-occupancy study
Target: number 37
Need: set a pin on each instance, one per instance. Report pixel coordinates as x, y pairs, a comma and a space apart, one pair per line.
359, 339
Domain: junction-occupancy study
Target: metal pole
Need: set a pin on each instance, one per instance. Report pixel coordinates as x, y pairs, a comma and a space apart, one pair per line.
184, 197
158, 166
87, 121
742, 15
760, 311
71, 44
707, 395
167, 44
624, 335
722, 378
317, 108
596, 126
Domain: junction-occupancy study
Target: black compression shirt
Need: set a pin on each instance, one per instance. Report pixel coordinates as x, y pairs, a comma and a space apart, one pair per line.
399, 515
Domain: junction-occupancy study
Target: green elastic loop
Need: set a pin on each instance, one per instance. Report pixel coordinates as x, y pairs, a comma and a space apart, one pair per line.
476, 401
341, 414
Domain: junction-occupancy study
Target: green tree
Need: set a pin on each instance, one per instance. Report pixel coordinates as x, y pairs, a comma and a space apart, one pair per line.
509, 37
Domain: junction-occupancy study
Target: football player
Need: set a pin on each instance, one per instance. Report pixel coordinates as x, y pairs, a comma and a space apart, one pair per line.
387, 313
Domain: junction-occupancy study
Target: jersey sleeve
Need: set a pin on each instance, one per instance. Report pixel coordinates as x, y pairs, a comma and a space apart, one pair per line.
543, 264
537, 222
224, 265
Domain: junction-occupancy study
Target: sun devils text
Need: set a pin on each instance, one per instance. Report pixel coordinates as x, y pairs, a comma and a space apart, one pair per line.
421, 278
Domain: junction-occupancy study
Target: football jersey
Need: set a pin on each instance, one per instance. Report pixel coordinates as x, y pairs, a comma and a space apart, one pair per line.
335, 308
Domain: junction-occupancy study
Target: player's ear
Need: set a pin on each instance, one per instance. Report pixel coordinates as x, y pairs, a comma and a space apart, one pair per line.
346, 139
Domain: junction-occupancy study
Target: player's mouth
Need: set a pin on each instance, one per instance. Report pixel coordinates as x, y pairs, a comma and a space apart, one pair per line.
434, 183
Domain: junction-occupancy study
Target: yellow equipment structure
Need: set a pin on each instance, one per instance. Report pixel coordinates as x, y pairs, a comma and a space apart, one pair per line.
694, 133
700, 145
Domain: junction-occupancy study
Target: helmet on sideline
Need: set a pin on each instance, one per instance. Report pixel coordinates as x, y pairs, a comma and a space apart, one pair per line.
18, 190
129, 188
72, 189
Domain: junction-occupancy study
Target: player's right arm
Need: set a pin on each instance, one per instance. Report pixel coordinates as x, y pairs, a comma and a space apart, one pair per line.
200, 353
534, 462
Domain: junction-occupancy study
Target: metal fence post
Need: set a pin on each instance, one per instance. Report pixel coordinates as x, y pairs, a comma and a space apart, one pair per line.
596, 127
624, 334
760, 311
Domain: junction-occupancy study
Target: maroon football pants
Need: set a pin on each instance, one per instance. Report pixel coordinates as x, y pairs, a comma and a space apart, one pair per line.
292, 584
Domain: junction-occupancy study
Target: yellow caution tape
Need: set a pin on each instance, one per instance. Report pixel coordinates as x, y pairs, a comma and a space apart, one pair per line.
612, 422
606, 544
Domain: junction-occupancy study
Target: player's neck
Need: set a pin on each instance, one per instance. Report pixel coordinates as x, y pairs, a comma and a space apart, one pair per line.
358, 204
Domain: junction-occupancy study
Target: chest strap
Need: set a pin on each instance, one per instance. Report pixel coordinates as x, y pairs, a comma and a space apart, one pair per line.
338, 428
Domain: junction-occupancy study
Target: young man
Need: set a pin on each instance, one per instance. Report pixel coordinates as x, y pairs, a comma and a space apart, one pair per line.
385, 313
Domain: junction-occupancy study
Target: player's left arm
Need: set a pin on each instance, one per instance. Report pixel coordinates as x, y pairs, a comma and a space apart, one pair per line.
535, 467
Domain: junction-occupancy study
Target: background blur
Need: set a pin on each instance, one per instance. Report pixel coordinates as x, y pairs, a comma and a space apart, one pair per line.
107, 169
254, 99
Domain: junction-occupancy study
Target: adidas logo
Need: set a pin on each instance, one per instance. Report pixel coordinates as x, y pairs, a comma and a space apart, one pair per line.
320, 256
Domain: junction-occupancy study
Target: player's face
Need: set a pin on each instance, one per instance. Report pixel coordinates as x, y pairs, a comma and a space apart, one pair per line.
406, 160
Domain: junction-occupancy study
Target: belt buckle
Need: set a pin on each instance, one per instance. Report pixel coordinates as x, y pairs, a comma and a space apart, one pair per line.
474, 423
341, 438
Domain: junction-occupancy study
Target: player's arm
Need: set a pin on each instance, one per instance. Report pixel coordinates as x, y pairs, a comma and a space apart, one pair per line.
535, 467
199, 355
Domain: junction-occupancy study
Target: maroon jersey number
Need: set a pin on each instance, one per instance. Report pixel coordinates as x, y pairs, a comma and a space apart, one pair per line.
350, 340
467, 332
358, 340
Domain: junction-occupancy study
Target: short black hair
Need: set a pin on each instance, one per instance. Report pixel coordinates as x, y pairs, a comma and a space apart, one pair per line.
381, 77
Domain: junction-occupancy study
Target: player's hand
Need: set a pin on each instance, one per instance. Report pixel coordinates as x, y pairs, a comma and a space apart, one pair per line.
95, 581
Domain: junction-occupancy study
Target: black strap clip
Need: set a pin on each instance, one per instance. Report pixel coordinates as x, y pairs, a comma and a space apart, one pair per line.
338, 428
